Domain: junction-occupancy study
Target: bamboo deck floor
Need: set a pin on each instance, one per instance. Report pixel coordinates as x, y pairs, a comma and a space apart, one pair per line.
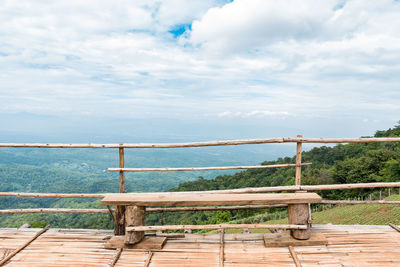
348, 245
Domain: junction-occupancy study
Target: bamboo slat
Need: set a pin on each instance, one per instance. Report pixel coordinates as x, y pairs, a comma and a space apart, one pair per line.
148, 260
12, 254
294, 256
348, 245
116, 257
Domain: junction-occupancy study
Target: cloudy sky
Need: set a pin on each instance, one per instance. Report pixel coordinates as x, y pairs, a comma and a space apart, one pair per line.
197, 70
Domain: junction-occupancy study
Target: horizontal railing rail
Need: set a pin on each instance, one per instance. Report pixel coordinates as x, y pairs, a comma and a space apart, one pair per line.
205, 168
210, 143
196, 208
227, 191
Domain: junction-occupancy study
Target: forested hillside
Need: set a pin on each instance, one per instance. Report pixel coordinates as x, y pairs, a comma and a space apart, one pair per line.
348, 163
85, 171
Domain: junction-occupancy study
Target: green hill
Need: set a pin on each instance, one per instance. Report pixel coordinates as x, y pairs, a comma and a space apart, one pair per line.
339, 164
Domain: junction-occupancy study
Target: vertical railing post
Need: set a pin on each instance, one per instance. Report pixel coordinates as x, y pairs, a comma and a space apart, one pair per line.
298, 161
121, 173
119, 228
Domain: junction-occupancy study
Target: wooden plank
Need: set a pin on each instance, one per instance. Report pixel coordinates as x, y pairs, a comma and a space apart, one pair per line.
148, 242
116, 257
178, 199
12, 254
214, 226
148, 260
121, 169
284, 240
294, 257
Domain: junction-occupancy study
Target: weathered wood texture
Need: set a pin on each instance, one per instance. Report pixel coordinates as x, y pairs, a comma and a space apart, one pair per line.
121, 173
24, 245
228, 191
116, 257
294, 256
134, 216
348, 245
119, 223
183, 199
299, 214
210, 143
298, 162
174, 209
148, 260
214, 226
120, 169
221, 247
55, 195
285, 240
210, 208
299, 188
148, 243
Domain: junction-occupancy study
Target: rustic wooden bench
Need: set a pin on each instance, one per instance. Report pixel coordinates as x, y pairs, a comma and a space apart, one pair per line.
136, 203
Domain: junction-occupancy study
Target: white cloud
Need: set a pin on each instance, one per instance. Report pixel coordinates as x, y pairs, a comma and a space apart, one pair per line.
245, 59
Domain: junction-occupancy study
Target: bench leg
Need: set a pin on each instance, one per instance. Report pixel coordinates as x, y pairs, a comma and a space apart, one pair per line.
119, 224
299, 214
134, 216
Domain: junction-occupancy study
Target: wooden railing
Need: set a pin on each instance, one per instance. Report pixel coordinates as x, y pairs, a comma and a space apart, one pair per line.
299, 140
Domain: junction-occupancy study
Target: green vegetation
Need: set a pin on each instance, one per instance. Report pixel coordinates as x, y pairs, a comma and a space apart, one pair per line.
30, 170
349, 163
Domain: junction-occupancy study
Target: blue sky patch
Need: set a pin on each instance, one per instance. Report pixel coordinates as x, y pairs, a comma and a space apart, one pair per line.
340, 5
178, 30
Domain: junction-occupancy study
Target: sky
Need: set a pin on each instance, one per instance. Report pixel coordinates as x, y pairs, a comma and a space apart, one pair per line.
133, 71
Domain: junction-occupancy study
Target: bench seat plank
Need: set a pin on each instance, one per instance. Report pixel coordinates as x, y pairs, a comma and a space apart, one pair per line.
179, 199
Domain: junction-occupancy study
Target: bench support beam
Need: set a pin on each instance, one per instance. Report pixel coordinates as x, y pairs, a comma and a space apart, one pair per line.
134, 216
299, 214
